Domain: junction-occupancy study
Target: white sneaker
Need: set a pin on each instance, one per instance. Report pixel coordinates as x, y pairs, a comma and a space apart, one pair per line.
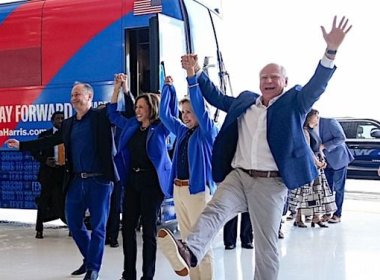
175, 251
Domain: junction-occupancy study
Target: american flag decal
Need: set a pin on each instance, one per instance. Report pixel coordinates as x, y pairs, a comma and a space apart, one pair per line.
143, 7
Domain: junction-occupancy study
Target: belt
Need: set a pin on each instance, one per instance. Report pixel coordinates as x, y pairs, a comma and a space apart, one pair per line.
138, 169
85, 175
181, 183
260, 173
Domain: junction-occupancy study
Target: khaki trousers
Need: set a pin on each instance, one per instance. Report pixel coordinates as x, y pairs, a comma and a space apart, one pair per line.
188, 208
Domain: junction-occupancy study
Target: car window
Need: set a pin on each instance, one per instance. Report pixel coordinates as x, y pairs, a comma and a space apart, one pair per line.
350, 129
364, 130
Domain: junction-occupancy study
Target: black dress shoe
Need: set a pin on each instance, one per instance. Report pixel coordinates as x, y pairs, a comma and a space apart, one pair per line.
247, 245
230, 247
91, 275
81, 270
114, 244
39, 235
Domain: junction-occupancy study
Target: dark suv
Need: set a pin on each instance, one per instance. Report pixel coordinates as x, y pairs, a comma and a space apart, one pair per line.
363, 139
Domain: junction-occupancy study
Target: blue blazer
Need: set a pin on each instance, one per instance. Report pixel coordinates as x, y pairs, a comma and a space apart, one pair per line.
200, 142
285, 119
156, 147
333, 138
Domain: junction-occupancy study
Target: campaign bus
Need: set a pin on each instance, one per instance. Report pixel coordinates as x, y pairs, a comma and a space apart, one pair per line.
48, 45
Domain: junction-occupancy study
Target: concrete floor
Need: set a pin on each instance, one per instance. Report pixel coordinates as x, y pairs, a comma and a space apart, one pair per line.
349, 250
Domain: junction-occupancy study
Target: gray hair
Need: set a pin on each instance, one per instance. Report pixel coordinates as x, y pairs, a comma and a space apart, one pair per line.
87, 86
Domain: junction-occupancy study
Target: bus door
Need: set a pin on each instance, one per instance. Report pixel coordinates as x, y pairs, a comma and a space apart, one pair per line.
138, 59
171, 46
155, 51
203, 25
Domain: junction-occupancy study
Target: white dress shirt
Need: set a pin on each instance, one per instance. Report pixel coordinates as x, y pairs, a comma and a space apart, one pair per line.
252, 151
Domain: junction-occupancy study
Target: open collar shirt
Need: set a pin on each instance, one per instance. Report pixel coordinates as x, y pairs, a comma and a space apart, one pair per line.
253, 150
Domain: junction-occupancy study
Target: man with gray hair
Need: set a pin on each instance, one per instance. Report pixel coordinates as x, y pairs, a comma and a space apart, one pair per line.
89, 174
259, 153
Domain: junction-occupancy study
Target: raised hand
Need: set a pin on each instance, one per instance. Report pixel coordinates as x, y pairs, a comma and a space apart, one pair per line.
168, 80
120, 81
189, 63
337, 33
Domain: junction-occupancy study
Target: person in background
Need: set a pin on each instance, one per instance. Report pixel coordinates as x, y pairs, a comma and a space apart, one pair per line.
144, 166
260, 151
89, 174
338, 157
230, 232
281, 234
313, 199
50, 203
190, 179
113, 223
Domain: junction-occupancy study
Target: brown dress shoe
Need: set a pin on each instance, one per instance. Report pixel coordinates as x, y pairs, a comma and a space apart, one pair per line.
334, 220
176, 251
325, 217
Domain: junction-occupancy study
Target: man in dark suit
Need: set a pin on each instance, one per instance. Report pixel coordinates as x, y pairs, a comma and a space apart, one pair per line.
338, 157
50, 175
89, 174
259, 152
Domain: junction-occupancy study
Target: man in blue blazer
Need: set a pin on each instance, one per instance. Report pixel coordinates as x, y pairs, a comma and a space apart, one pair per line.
259, 152
338, 156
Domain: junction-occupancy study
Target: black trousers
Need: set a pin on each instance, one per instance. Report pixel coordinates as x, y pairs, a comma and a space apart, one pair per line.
143, 197
50, 203
230, 230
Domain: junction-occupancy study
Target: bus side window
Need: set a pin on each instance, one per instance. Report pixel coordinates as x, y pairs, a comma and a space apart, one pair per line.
20, 59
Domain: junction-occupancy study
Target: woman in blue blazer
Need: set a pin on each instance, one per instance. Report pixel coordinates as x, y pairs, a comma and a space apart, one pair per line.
191, 180
144, 166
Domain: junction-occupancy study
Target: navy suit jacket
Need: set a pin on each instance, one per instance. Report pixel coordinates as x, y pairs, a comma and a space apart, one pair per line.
44, 174
285, 119
333, 138
101, 132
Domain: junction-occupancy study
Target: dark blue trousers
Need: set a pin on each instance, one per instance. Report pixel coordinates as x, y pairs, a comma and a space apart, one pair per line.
93, 194
337, 183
